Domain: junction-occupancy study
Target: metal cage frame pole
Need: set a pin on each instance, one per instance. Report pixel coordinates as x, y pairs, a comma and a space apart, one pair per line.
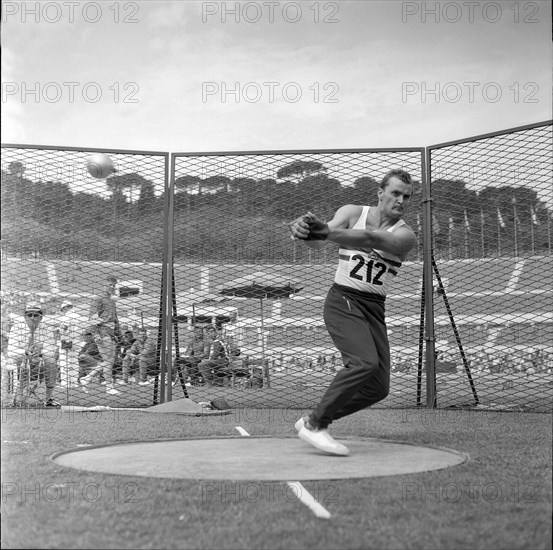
167, 269
428, 253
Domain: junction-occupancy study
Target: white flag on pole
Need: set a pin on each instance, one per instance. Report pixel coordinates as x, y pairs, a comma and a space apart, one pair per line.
500, 219
467, 223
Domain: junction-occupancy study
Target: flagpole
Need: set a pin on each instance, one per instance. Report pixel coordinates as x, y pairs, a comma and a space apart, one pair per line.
549, 231
516, 226
532, 218
449, 237
482, 232
467, 230
498, 234
419, 234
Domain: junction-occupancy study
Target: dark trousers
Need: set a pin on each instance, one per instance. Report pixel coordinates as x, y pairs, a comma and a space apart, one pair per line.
355, 321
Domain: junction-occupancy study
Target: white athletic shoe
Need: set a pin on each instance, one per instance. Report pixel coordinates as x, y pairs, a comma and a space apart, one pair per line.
112, 391
300, 423
321, 439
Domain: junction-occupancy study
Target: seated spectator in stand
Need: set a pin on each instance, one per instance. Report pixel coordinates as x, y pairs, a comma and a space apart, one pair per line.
33, 347
197, 350
129, 360
147, 358
69, 330
217, 362
133, 353
89, 356
238, 364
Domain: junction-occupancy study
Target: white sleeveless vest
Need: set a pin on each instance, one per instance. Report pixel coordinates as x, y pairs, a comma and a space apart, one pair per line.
367, 270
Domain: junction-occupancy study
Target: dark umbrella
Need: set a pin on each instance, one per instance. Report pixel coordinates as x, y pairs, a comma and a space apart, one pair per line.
261, 286
200, 297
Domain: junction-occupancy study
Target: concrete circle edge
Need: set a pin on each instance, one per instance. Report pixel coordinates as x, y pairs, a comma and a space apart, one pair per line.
465, 456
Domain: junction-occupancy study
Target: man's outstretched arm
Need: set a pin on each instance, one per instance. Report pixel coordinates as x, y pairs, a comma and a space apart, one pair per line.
310, 228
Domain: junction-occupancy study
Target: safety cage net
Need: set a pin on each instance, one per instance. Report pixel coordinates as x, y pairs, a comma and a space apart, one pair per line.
242, 280
492, 200
82, 252
132, 278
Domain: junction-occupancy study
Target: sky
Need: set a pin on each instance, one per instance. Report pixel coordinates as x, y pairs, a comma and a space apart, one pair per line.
192, 76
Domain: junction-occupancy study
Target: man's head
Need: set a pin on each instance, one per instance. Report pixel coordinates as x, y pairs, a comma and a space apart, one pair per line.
88, 336
394, 193
33, 313
110, 285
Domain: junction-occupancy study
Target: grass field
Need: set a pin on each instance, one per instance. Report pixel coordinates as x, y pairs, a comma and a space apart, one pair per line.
499, 498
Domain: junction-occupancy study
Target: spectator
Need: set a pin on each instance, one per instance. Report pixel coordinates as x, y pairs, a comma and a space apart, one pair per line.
196, 350
8, 366
147, 358
129, 360
68, 331
217, 362
103, 316
89, 357
33, 347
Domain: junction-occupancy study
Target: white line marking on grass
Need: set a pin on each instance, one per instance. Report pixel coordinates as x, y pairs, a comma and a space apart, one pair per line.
308, 499
301, 493
515, 276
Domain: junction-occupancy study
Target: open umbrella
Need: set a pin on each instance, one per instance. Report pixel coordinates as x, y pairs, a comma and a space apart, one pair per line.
261, 286
195, 297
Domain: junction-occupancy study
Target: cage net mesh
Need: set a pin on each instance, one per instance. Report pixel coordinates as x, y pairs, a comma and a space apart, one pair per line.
64, 233
231, 216
492, 203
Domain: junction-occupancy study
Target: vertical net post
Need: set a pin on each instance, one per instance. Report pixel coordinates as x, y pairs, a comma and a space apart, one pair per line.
428, 278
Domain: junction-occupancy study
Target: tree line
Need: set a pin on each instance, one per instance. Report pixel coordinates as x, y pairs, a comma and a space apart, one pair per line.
245, 219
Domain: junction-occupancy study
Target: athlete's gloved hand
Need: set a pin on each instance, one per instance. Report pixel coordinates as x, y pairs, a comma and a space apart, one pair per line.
300, 228
318, 230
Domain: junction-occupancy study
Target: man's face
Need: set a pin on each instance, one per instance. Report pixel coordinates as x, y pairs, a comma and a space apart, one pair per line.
395, 198
110, 288
33, 318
